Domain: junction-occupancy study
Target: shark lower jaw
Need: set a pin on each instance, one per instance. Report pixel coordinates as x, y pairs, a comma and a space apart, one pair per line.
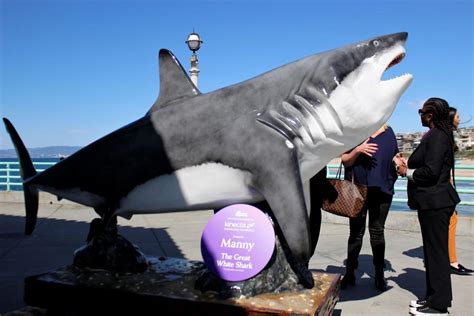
394, 88
390, 92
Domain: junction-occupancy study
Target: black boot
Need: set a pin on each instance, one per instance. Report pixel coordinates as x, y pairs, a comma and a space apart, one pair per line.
380, 282
348, 279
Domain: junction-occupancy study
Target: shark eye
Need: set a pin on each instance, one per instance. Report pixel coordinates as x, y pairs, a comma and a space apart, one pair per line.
376, 43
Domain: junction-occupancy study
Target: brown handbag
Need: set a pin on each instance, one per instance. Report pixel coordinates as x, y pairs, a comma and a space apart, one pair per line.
350, 200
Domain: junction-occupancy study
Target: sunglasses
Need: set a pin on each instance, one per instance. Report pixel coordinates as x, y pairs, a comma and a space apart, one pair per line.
421, 112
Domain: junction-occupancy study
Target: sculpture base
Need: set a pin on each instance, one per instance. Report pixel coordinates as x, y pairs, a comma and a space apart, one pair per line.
167, 288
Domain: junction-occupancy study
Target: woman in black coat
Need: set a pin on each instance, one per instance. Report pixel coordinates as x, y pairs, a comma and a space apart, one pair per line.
431, 193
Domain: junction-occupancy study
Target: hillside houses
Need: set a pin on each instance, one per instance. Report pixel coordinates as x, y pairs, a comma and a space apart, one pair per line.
464, 138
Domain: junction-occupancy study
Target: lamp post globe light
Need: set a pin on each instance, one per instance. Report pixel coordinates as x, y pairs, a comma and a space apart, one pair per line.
194, 43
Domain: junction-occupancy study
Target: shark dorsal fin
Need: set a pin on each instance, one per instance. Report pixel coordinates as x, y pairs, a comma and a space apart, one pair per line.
174, 82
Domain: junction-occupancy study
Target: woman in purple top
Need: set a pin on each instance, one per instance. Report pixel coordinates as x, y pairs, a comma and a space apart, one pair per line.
370, 164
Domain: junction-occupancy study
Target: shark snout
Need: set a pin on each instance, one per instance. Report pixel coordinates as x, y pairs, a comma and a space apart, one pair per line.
393, 38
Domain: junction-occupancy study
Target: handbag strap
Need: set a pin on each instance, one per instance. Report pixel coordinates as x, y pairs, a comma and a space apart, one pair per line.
339, 172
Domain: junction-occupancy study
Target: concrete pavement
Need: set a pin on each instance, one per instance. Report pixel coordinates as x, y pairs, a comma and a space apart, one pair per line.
62, 228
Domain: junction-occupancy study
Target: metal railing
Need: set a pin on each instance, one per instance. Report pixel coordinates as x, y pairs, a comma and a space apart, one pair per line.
332, 175
9, 177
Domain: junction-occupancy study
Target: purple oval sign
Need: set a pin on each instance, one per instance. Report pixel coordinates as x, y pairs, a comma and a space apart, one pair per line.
238, 242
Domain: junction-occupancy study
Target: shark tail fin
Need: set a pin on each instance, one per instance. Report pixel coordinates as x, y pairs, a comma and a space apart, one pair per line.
175, 84
27, 170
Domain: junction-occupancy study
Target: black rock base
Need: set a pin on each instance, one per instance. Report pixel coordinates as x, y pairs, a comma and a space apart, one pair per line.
108, 250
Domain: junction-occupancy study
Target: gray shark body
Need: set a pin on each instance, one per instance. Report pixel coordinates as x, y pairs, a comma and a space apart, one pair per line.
261, 139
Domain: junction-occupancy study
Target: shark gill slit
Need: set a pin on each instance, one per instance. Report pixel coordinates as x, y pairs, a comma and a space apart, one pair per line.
308, 107
272, 119
325, 102
286, 123
299, 116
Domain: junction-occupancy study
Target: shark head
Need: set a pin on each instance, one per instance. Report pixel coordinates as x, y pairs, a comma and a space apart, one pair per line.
362, 100
341, 99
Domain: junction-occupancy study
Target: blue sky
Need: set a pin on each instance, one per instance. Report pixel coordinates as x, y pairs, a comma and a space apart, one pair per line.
74, 71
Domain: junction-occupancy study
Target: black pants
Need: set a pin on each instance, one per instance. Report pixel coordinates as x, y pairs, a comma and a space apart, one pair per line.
434, 230
378, 205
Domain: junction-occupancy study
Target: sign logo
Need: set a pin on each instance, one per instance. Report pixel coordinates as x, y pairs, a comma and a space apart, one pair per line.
238, 242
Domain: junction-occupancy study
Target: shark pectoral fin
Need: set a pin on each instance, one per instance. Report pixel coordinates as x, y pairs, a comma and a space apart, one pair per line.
282, 188
174, 82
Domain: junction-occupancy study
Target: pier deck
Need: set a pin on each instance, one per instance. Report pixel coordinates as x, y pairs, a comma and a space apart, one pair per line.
62, 228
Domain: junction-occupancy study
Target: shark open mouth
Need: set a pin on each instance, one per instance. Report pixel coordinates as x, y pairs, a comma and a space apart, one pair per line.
396, 60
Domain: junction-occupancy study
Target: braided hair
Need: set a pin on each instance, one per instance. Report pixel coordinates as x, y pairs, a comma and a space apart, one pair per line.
439, 109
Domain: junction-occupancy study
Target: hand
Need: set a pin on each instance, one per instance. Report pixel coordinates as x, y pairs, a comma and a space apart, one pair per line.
398, 160
367, 149
400, 165
398, 155
402, 170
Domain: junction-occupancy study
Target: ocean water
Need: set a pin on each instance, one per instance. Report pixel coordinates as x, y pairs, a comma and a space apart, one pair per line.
463, 210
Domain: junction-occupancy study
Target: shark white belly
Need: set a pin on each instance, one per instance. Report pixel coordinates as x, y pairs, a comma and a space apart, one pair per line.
207, 186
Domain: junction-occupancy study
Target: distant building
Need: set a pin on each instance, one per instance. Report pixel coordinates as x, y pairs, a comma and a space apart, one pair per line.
464, 139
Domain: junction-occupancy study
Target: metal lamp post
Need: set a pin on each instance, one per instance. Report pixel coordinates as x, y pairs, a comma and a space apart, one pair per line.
194, 43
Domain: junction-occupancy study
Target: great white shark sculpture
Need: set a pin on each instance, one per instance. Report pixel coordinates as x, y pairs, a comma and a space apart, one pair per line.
260, 139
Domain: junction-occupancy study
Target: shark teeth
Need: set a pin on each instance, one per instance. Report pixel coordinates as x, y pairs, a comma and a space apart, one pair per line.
398, 77
396, 60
